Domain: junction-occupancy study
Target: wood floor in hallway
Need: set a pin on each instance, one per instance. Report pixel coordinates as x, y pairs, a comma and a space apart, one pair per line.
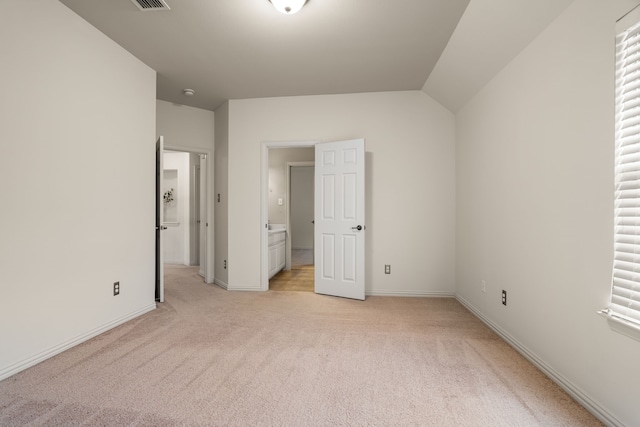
299, 278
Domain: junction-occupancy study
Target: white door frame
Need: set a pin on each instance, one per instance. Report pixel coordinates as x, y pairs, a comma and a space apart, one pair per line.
209, 241
264, 205
287, 186
202, 213
159, 216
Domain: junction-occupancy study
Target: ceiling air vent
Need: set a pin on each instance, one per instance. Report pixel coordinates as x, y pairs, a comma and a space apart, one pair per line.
151, 4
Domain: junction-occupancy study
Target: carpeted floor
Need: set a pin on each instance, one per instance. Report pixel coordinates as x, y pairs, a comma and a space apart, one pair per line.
212, 357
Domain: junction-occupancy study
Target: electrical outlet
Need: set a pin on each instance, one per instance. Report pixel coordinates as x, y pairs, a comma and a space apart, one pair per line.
504, 297
483, 286
116, 288
387, 269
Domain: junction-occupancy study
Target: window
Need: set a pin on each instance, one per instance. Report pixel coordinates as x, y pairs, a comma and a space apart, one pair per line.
625, 295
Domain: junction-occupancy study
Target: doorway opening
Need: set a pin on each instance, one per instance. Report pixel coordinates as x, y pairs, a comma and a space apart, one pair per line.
339, 218
182, 211
287, 214
183, 203
298, 272
300, 180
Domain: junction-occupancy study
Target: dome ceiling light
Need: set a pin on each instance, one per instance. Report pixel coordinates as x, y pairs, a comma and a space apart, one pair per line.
288, 7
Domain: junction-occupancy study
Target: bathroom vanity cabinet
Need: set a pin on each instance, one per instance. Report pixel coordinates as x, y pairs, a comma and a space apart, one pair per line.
277, 251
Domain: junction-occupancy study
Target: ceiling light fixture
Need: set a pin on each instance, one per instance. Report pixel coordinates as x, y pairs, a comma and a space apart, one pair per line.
288, 7
189, 92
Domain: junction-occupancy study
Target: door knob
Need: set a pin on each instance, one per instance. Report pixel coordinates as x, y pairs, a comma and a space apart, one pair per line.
358, 228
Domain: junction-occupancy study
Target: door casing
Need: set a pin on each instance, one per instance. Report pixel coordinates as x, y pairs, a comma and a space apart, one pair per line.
264, 203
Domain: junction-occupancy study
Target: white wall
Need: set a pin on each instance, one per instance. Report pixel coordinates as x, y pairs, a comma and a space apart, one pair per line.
221, 188
192, 129
535, 206
77, 135
278, 159
185, 127
409, 187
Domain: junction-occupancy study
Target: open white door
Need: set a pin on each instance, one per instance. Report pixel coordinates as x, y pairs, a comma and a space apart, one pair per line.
159, 221
339, 219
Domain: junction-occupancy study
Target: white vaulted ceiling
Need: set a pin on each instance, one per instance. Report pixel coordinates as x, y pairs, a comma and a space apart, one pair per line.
236, 49
489, 35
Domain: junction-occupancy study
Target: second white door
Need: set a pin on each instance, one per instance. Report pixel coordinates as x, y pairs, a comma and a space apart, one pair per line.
340, 219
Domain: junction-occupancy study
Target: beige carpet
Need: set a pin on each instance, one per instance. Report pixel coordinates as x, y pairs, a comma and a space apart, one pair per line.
212, 357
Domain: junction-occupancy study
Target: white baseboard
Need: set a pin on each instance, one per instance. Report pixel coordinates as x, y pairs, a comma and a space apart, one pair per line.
227, 287
13, 369
245, 288
574, 391
420, 294
220, 283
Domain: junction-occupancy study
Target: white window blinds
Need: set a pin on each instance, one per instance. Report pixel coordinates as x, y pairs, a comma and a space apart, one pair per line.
625, 295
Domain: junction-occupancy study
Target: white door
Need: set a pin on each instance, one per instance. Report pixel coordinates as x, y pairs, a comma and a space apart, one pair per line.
159, 221
339, 219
